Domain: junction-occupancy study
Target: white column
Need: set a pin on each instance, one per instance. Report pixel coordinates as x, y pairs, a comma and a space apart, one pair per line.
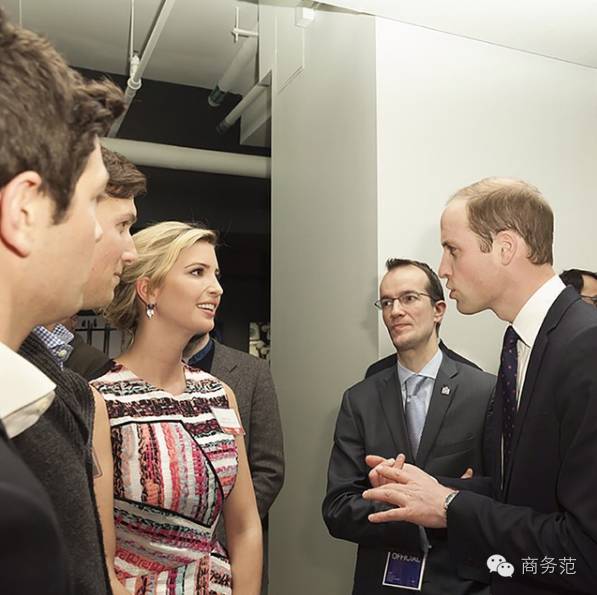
324, 276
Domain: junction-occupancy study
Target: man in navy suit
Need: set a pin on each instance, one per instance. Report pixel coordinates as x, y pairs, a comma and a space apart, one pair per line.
537, 525
426, 405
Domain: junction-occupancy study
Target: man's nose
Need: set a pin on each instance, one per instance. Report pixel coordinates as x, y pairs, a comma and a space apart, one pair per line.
397, 308
443, 271
130, 253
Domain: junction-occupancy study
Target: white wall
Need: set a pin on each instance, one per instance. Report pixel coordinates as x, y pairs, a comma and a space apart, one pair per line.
452, 110
324, 275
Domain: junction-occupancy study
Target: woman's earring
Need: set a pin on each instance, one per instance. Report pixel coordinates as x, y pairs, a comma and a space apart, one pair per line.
150, 311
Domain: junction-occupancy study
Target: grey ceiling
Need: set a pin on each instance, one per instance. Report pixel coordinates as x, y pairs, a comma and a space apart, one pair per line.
195, 47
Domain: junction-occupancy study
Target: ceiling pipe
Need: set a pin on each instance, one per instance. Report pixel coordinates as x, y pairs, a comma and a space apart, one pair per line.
138, 64
132, 32
247, 51
238, 32
240, 107
173, 157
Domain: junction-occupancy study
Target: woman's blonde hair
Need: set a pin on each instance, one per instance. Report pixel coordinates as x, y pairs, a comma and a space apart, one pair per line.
158, 248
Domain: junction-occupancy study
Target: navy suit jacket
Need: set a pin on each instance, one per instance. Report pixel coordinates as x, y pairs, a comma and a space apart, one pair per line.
547, 507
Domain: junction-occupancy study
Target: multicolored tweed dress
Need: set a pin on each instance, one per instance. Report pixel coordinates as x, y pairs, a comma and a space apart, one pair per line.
173, 468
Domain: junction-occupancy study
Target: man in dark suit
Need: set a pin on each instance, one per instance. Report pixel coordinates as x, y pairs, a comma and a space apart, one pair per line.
86, 360
251, 380
51, 172
427, 406
65, 465
539, 529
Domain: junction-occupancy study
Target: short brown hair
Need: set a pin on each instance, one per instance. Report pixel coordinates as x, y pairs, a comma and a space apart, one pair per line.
50, 116
434, 285
499, 204
126, 181
574, 277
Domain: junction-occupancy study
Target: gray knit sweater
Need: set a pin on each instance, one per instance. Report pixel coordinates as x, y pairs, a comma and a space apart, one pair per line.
58, 450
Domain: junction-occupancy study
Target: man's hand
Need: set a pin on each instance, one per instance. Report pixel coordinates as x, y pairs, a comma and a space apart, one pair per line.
419, 497
375, 478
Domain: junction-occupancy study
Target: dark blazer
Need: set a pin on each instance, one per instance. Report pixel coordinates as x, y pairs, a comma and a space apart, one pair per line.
371, 421
251, 380
86, 360
390, 360
548, 505
32, 553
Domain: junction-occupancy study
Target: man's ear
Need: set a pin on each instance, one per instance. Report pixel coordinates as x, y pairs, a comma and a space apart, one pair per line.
440, 309
145, 292
508, 244
22, 207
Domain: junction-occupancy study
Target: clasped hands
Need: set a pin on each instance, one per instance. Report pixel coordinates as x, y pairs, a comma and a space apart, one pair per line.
418, 497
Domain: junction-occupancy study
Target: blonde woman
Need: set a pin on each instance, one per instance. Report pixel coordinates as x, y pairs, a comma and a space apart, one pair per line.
178, 456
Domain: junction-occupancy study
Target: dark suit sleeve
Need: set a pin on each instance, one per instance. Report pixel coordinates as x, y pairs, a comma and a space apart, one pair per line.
482, 483
266, 449
479, 526
32, 552
344, 510
478, 485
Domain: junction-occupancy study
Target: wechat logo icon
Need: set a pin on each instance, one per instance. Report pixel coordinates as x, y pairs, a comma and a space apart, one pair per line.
497, 563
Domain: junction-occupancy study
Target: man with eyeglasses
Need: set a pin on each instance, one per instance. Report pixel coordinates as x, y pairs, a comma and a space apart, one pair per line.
585, 282
427, 406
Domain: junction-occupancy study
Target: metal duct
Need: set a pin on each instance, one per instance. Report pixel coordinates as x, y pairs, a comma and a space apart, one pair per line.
138, 64
173, 157
247, 51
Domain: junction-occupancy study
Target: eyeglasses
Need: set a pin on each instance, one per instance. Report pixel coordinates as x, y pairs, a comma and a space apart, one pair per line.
407, 300
590, 299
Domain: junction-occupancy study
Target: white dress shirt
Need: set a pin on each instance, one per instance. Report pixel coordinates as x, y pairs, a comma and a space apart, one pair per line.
26, 392
528, 322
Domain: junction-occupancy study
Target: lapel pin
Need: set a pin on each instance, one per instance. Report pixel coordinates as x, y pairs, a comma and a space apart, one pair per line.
445, 390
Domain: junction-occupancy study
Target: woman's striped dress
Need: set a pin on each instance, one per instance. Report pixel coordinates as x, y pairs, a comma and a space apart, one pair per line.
173, 468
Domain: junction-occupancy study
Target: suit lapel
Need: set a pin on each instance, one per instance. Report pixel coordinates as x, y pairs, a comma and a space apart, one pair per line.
444, 388
553, 317
222, 362
390, 396
494, 439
